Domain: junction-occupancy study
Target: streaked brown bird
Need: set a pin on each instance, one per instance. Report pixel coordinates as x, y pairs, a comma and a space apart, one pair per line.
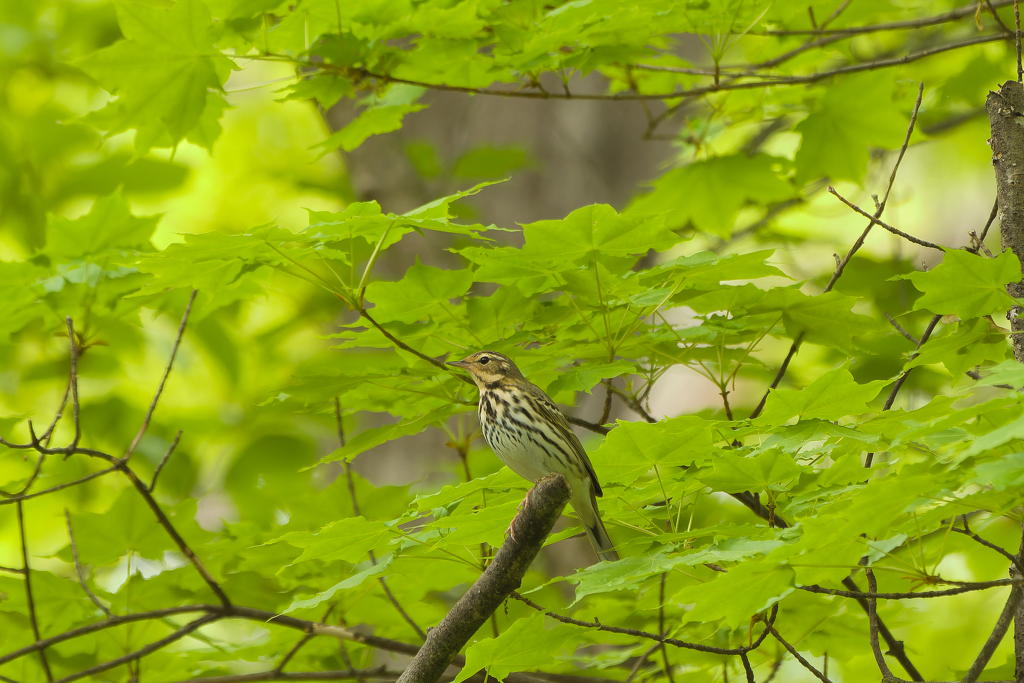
528, 433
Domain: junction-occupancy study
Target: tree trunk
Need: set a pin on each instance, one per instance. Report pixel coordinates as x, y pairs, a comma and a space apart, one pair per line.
1006, 117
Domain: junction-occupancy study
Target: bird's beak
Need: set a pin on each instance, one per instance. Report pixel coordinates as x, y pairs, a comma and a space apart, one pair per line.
458, 363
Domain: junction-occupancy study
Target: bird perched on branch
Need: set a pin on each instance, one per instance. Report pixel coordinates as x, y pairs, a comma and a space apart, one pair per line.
528, 433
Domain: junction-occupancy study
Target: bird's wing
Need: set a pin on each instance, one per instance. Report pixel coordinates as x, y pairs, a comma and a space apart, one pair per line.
557, 420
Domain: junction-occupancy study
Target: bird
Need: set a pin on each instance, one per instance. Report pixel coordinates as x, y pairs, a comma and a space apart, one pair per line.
530, 435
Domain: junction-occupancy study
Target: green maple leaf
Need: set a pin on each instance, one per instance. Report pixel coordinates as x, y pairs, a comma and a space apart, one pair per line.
967, 285
833, 395
161, 73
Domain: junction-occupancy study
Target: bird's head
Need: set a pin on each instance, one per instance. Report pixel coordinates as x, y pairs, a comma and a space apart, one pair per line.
488, 367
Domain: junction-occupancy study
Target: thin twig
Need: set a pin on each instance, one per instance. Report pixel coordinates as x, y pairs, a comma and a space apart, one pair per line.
640, 661
652, 636
1014, 560
896, 648
967, 587
841, 267
883, 224
163, 460
142, 651
746, 668
163, 380
28, 592
59, 487
899, 328
634, 405
74, 383
364, 75
661, 631
291, 653
996, 637
78, 567
792, 650
597, 429
903, 376
607, 402
873, 626
991, 218
355, 508
934, 20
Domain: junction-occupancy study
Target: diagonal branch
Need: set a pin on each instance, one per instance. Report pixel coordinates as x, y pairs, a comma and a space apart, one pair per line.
841, 266
27, 572
903, 376
883, 667
142, 651
75, 352
968, 587
877, 221
78, 567
163, 460
653, 636
996, 637
1014, 560
163, 380
803, 662
355, 508
544, 504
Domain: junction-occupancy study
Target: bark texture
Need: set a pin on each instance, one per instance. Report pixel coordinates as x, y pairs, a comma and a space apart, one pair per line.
1006, 116
544, 504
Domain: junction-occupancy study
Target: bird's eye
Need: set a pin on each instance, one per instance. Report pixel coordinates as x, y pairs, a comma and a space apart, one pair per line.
485, 360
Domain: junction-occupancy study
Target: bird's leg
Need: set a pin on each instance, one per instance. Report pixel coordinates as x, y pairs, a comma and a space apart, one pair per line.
510, 532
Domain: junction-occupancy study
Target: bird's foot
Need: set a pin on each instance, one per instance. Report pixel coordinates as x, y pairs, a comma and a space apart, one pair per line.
511, 532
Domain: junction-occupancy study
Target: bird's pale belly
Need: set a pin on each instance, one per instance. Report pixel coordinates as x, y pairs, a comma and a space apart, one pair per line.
526, 458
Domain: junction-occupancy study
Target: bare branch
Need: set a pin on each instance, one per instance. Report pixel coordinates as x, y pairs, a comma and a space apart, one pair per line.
142, 651
634, 405
597, 429
935, 20
355, 508
291, 653
165, 522
74, 385
113, 621
640, 661
59, 487
899, 328
27, 573
78, 566
652, 636
883, 224
607, 402
746, 668
163, 460
996, 637
991, 219
379, 673
873, 626
903, 376
792, 650
661, 631
1014, 560
896, 648
163, 380
966, 587
544, 504
841, 267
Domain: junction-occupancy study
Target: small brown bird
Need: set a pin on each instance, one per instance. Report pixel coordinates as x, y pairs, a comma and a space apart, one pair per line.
528, 433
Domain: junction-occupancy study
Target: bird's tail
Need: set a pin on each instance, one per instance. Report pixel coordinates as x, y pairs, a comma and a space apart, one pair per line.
596, 532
